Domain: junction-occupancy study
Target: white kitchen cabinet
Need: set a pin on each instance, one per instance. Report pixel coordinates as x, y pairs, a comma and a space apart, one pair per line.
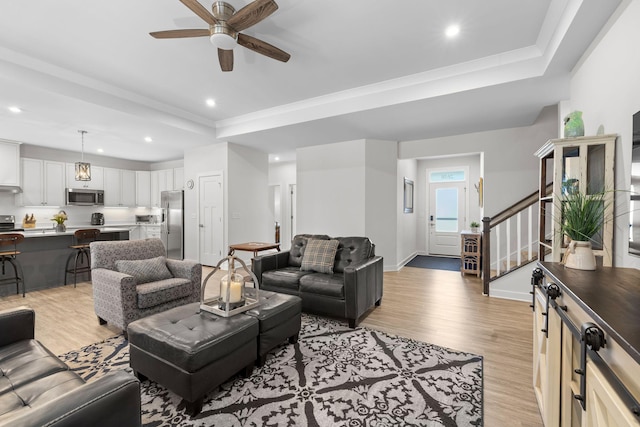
97, 178
42, 183
120, 188
10, 170
143, 188
136, 233
178, 178
161, 180
152, 231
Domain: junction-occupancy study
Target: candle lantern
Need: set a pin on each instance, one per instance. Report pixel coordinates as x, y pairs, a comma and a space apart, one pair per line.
234, 296
231, 289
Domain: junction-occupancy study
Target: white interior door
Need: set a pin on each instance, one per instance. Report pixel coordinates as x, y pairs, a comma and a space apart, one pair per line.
446, 217
210, 219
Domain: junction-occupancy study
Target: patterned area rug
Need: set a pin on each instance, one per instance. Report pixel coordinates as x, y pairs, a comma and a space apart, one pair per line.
333, 376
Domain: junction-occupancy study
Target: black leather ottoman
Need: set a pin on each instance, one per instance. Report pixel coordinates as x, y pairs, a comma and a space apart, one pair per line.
279, 316
190, 352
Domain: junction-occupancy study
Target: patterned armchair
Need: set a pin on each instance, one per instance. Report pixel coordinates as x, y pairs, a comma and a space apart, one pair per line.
133, 279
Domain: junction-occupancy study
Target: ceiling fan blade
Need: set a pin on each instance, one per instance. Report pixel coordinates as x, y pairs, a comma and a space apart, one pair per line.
226, 59
251, 14
200, 10
262, 47
176, 34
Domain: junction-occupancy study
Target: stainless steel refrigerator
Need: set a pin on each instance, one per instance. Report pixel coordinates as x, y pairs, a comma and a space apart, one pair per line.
172, 225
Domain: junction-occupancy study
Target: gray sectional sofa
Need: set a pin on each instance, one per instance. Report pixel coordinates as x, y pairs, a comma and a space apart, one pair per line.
351, 287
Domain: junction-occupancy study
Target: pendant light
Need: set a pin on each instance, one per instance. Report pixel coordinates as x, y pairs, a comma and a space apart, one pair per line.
83, 169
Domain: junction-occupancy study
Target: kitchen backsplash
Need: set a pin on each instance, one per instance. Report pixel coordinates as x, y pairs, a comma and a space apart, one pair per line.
78, 215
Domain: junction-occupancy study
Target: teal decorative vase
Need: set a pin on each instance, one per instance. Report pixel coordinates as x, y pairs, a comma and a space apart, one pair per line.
573, 124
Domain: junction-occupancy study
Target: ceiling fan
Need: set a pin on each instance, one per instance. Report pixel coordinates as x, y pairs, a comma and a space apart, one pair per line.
225, 25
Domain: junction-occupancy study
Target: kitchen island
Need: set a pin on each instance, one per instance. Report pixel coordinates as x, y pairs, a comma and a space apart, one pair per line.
44, 253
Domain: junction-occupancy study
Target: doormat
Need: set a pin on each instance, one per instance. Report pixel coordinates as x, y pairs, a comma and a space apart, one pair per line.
435, 263
332, 376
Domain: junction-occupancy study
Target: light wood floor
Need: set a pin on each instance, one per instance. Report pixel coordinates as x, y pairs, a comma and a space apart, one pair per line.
435, 306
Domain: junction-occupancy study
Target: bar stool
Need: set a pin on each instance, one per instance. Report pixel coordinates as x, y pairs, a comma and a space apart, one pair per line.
82, 238
9, 255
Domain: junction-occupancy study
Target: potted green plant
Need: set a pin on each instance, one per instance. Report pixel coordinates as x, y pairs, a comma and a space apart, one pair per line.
475, 226
583, 216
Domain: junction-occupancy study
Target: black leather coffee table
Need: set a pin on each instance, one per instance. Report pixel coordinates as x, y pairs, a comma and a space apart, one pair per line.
279, 317
192, 352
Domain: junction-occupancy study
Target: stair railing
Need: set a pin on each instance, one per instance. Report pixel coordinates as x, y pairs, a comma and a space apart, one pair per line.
514, 239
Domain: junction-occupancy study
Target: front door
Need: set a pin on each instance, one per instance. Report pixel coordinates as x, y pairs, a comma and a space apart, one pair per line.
446, 217
210, 218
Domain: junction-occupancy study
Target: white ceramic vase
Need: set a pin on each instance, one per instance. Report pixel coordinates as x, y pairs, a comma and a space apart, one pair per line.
579, 256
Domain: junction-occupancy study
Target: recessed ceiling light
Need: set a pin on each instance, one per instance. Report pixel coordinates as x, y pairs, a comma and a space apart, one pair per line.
452, 30
276, 158
211, 102
148, 139
15, 109
100, 150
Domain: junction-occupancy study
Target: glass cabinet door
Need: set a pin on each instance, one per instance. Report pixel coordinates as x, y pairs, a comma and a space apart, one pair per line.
584, 164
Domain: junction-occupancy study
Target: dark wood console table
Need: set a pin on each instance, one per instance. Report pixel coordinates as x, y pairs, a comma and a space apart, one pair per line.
586, 357
254, 247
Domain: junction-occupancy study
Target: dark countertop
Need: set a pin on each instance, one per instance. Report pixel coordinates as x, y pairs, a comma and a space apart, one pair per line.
610, 295
44, 257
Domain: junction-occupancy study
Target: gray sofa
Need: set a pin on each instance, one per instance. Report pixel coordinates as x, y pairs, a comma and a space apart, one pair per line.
354, 286
38, 389
132, 279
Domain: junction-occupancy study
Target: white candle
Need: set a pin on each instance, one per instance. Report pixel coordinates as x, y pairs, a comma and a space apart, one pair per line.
235, 291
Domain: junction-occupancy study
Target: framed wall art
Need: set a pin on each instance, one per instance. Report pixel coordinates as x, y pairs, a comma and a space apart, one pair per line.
408, 196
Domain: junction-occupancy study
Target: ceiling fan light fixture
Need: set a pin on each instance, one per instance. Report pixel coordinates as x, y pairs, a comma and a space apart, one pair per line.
222, 40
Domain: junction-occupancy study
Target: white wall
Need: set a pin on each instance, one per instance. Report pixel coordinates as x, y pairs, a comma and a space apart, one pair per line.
349, 189
284, 175
244, 173
510, 167
200, 161
407, 223
381, 207
247, 199
331, 189
606, 88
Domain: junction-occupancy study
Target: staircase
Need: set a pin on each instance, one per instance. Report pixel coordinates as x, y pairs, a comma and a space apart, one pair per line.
510, 239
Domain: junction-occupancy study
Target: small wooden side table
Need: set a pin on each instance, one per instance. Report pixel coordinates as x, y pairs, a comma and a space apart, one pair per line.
471, 250
254, 247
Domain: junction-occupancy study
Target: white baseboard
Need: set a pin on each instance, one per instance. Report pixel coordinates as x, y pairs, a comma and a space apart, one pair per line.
401, 264
516, 296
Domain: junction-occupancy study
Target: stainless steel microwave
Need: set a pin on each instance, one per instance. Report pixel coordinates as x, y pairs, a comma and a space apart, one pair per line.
84, 197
